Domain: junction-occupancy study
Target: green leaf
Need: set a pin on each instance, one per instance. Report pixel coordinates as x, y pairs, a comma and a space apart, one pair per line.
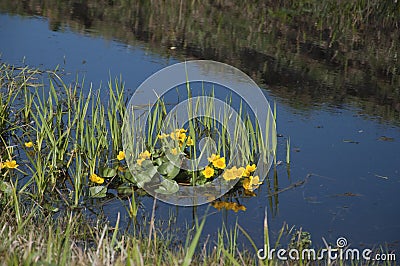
158, 161
98, 191
107, 172
173, 173
129, 177
167, 187
124, 189
5, 187
149, 168
142, 178
168, 169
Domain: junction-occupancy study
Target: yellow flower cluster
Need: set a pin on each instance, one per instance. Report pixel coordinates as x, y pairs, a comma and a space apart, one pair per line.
96, 179
250, 182
217, 163
10, 164
180, 135
228, 206
233, 173
143, 156
249, 169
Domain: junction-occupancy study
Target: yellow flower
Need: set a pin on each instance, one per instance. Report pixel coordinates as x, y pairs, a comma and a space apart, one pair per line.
174, 151
179, 134
246, 184
145, 155
11, 164
219, 163
189, 141
181, 130
163, 136
249, 169
2, 165
233, 173
251, 183
182, 137
255, 180
229, 175
208, 172
174, 135
29, 144
121, 156
239, 171
213, 158
140, 161
96, 179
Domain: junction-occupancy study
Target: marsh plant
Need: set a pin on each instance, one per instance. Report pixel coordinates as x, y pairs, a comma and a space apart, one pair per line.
199, 153
69, 143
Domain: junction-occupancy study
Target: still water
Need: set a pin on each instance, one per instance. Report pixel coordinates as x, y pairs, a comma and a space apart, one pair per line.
344, 176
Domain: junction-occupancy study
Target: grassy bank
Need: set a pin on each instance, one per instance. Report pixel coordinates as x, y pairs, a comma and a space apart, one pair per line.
30, 237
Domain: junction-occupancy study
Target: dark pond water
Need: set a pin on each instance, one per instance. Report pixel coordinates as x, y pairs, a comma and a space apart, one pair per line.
343, 123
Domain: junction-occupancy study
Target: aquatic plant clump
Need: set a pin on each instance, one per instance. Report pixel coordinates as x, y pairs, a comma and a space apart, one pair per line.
203, 147
67, 142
